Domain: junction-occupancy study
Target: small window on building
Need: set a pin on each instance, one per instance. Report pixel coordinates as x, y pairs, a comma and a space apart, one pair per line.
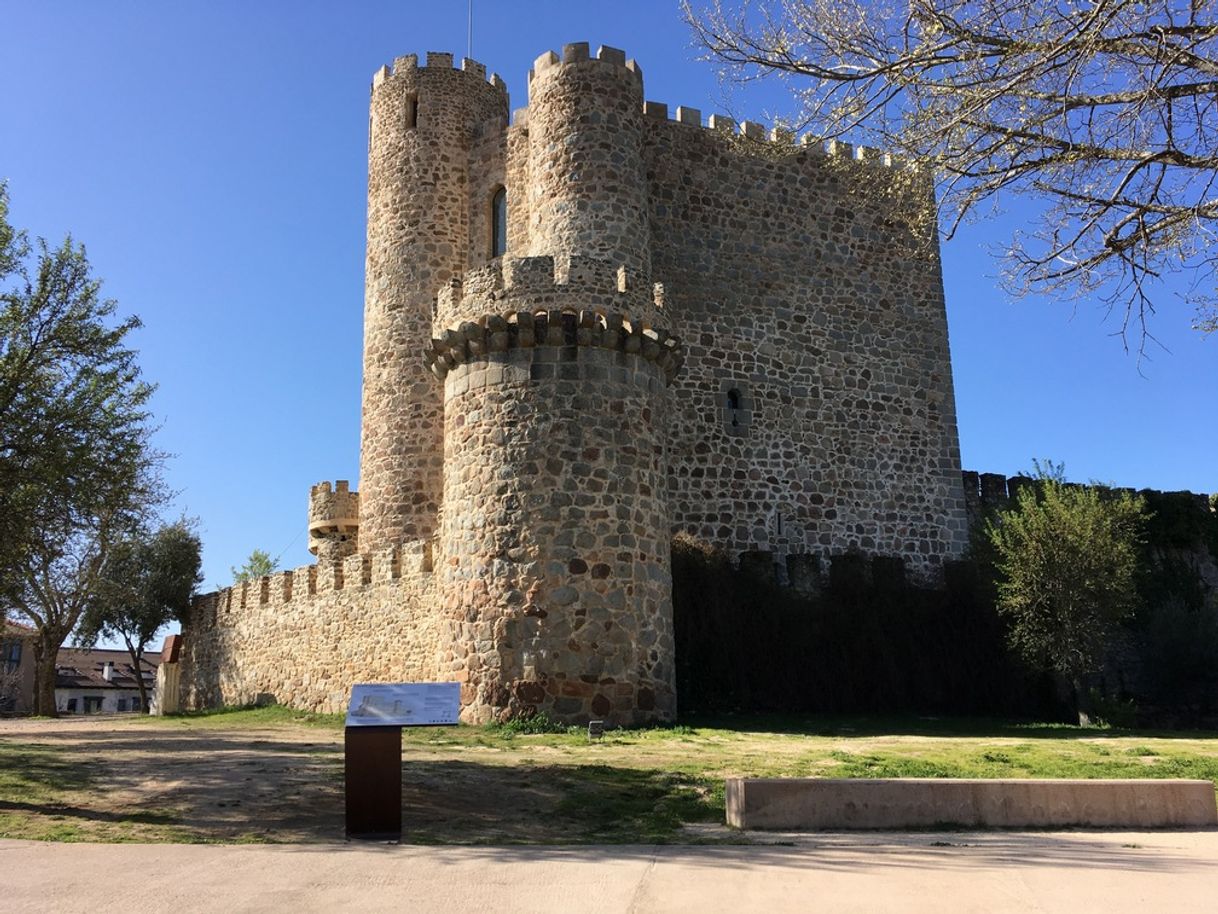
737, 406
71, 705
122, 705
412, 112
10, 656
93, 704
499, 223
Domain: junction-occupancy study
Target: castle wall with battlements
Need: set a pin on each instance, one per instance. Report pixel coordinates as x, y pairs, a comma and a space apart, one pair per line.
700, 328
303, 637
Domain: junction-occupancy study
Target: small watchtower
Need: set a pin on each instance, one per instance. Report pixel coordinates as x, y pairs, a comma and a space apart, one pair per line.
333, 521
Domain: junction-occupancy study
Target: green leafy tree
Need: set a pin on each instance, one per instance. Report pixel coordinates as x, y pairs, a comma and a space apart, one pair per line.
1067, 558
258, 565
1100, 112
77, 472
145, 583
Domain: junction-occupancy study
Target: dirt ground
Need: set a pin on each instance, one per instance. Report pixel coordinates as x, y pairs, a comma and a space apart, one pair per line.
278, 784
276, 776
125, 779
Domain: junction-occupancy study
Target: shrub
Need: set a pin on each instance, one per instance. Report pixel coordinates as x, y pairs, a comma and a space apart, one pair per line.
1067, 558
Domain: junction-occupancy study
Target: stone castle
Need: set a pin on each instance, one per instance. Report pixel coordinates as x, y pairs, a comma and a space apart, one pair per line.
589, 327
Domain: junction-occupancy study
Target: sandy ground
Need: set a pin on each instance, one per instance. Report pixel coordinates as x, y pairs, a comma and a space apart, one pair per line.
252, 784
1070, 873
166, 781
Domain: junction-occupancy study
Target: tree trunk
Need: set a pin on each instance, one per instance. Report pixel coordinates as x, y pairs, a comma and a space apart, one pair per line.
46, 651
1082, 702
137, 654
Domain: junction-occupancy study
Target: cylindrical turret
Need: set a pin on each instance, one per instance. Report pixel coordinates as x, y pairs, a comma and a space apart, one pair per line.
589, 185
555, 562
422, 121
333, 521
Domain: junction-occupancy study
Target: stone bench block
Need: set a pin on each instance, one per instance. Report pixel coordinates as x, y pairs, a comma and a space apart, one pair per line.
899, 803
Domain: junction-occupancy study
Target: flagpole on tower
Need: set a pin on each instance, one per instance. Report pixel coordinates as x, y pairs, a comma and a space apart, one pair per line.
469, 31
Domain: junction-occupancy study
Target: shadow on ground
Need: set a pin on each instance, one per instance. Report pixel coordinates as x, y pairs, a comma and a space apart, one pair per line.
221, 786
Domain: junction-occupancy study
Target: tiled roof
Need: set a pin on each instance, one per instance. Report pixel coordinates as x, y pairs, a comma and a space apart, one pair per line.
78, 668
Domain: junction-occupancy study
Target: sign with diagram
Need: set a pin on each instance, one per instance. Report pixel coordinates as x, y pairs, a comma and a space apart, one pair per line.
404, 704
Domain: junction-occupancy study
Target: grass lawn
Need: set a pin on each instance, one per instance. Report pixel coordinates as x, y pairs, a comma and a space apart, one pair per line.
272, 774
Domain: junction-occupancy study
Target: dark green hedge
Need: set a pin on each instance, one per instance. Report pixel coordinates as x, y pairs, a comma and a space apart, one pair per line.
868, 644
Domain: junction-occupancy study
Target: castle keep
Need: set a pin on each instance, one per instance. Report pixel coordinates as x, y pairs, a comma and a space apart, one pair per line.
586, 328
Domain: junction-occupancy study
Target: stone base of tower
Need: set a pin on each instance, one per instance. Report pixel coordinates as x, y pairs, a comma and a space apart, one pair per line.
572, 698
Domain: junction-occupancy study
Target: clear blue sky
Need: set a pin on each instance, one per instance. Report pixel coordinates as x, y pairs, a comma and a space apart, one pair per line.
212, 157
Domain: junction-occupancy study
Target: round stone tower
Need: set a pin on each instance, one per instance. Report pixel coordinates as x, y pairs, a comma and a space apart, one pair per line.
588, 188
554, 559
421, 127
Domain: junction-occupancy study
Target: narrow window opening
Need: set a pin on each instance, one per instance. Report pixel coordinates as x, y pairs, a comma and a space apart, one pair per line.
499, 223
737, 408
778, 522
733, 406
412, 111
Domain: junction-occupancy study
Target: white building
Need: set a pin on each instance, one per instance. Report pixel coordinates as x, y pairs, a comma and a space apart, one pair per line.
101, 681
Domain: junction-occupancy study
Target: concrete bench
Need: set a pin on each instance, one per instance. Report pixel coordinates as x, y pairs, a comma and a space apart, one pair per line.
823, 803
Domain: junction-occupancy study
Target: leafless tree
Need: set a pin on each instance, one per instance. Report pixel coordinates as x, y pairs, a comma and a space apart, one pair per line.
1104, 110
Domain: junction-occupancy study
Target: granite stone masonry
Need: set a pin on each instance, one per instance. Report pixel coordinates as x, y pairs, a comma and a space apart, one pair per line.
586, 329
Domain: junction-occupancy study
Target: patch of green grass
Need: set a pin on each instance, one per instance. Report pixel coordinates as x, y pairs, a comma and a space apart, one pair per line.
32, 772
1141, 751
537, 723
615, 804
1051, 760
248, 717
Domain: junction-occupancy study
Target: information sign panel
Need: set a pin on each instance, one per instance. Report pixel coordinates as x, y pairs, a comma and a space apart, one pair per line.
414, 704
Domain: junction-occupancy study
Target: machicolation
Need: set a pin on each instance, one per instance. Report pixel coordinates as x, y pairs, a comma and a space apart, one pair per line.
589, 327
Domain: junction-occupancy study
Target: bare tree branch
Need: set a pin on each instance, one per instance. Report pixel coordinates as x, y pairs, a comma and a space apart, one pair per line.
1105, 111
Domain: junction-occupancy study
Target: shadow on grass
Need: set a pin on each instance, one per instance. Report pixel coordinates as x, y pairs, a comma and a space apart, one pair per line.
135, 817
976, 727
228, 786
39, 769
470, 803
744, 722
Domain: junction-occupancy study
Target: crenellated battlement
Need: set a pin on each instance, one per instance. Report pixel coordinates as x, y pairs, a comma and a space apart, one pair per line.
578, 52
411, 559
523, 330
508, 285
776, 138
440, 61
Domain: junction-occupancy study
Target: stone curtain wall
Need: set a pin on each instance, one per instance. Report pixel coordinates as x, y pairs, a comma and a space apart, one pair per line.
302, 638
786, 287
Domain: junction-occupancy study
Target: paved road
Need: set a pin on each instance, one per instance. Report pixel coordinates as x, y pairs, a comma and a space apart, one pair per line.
1071, 872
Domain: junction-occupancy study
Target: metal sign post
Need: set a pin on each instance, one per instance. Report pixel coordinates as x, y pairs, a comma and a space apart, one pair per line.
373, 749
